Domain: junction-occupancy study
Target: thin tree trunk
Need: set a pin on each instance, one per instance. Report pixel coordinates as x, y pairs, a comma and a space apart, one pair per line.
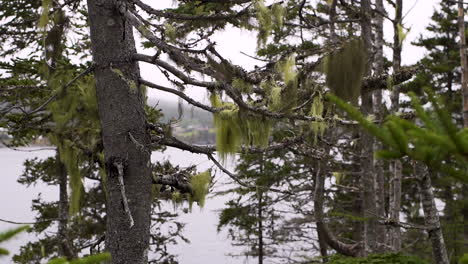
395, 205
367, 144
463, 60
431, 216
379, 110
396, 36
124, 134
331, 17
65, 246
260, 229
396, 167
325, 234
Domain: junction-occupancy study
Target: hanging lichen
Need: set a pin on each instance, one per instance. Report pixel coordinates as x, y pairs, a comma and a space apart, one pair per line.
275, 99
283, 99
234, 127
69, 156
200, 186
76, 119
242, 86
228, 132
339, 176
178, 199
277, 11
44, 18
402, 33
265, 24
345, 70
170, 32
256, 129
317, 126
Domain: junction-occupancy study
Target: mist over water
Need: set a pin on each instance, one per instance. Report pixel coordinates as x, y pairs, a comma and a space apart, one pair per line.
207, 245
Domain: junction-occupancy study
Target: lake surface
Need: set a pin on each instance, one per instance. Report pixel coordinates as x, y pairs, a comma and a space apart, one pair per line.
207, 245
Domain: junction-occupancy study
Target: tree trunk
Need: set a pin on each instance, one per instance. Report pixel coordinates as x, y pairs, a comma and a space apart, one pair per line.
379, 108
65, 246
396, 167
367, 144
260, 228
431, 216
325, 234
395, 205
463, 60
124, 134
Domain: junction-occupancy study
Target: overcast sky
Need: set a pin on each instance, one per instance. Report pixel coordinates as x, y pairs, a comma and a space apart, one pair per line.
234, 41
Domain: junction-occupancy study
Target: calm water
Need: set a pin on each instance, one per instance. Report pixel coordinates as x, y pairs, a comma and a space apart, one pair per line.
207, 246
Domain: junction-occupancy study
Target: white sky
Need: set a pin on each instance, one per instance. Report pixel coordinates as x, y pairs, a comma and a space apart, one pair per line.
231, 42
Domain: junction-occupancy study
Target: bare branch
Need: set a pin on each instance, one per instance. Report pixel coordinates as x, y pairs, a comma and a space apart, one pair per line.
54, 96
181, 95
177, 16
179, 74
119, 166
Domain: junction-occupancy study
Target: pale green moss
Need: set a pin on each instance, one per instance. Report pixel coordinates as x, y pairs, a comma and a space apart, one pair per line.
338, 176
170, 32
402, 33
288, 71
69, 156
345, 70
118, 72
44, 18
234, 127
255, 129
284, 99
242, 86
200, 186
275, 98
144, 30
318, 126
133, 86
265, 23
278, 15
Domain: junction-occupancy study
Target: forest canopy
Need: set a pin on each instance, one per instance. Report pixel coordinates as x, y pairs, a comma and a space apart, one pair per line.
328, 147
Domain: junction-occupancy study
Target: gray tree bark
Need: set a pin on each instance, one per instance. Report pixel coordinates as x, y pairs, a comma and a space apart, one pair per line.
260, 228
324, 233
396, 166
379, 108
463, 61
431, 216
367, 144
124, 134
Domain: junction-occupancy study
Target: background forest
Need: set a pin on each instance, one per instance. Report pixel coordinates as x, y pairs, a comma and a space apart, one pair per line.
334, 151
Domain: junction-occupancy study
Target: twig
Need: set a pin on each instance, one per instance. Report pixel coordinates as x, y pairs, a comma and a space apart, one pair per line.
239, 181
54, 96
119, 167
255, 58
28, 223
181, 95
138, 144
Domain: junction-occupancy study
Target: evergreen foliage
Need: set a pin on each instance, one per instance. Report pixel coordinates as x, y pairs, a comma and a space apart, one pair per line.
463, 259
378, 259
6, 235
438, 143
92, 259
